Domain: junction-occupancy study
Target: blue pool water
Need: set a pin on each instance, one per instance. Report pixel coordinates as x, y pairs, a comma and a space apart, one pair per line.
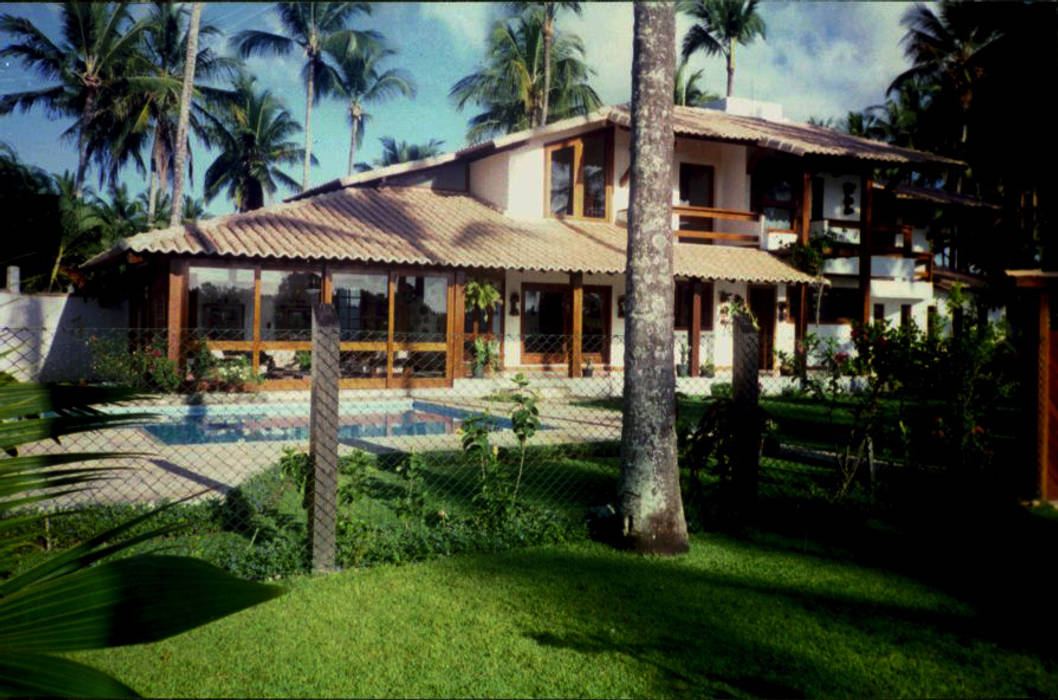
200, 425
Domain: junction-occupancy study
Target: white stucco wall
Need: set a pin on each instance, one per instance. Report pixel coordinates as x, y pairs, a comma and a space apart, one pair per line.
489, 179
834, 196
46, 334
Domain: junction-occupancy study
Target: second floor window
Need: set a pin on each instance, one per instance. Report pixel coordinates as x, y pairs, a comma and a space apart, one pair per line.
578, 180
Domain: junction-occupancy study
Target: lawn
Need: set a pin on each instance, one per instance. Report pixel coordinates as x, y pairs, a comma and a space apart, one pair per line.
755, 615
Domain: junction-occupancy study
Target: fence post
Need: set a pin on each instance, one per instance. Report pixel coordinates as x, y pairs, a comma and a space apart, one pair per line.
746, 395
323, 438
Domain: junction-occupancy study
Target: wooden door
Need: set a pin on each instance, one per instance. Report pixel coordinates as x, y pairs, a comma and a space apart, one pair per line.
762, 304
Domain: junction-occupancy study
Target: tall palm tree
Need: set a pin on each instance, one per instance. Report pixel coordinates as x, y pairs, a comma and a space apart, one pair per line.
947, 49
549, 11
686, 90
310, 26
186, 87
156, 95
510, 83
362, 81
720, 25
89, 66
253, 135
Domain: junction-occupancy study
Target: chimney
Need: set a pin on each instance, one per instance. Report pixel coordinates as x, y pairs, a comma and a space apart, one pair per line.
744, 107
14, 279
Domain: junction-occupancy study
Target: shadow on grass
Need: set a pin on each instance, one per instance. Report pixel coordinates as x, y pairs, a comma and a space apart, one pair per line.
774, 627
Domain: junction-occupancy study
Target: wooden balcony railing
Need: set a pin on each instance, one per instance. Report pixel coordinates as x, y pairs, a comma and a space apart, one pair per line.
713, 214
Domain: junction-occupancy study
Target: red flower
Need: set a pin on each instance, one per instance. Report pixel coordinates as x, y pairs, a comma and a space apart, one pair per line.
156, 353
842, 357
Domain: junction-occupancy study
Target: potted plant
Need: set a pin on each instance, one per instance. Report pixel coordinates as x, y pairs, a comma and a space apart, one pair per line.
482, 296
589, 369
486, 356
683, 368
708, 369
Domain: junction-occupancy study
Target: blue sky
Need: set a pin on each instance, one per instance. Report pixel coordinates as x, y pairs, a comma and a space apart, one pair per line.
819, 59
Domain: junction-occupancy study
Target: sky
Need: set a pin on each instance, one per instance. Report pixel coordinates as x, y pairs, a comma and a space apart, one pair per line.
819, 59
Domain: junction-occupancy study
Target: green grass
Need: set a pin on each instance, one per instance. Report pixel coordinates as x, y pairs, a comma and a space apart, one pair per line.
735, 617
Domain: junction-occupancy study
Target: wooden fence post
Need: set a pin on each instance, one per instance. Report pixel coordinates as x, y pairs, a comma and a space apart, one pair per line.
746, 399
323, 438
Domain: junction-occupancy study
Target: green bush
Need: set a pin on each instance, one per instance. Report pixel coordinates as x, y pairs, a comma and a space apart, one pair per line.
720, 390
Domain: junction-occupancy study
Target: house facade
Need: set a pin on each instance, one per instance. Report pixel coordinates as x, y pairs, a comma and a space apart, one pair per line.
541, 215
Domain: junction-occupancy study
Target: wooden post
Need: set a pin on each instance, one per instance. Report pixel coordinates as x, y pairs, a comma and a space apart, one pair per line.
865, 249
459, 309
696, 327
177, 311
323, 437
746, 396
804, 226
804, 221
1043, 407
576, 281
255, 356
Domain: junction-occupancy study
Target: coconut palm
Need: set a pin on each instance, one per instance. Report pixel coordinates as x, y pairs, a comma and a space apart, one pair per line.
253, 135
89, 66
721, 24
946, 49
310, 26
548, 12
394, 152
687, 92
509, 85
362, 81
156, 94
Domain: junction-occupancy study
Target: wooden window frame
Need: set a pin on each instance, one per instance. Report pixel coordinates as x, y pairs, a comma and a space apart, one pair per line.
577, 143
562, 358
706, 302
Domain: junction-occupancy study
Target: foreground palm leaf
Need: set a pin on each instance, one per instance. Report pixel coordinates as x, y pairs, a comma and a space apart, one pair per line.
75, 600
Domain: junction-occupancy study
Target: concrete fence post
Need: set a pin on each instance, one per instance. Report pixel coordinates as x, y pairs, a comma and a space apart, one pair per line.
323, 438
746, 394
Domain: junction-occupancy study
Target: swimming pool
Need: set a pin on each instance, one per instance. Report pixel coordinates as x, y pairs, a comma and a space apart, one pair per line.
201, 425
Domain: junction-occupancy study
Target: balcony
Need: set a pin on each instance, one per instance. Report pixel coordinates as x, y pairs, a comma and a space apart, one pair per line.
739, 228
887, 241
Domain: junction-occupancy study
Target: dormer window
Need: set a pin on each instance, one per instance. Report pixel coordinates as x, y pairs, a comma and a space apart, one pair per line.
578, 179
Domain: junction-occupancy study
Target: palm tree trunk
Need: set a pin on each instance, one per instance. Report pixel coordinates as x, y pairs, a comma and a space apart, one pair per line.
152, 193
650, 507
309, 88
176, 214
731, 67
355, 113
549, 26
82, 143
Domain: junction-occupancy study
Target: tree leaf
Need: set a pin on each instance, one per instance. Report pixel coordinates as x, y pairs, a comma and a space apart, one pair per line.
27, 675
131, 601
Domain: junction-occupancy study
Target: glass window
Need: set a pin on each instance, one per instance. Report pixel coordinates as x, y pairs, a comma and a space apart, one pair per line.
221, 302
562, 180
685, 303
361, 301
286, 304
593, 174
420, 310
778, 219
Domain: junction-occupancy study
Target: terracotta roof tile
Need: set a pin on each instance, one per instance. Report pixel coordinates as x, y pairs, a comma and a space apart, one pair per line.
410, 225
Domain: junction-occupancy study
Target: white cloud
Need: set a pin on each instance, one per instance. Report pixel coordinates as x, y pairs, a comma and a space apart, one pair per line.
467, 22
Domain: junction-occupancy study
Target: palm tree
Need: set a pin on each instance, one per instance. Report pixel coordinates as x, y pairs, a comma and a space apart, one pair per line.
361, 81
187, 85
510, 83
548, 10
404, 152
947, 49
89, 65
686, 91
721, 25
311, 26
156, 95
253, 137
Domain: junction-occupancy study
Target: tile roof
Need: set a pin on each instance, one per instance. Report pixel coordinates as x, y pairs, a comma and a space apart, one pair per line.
419, 226
936, 196
788, 137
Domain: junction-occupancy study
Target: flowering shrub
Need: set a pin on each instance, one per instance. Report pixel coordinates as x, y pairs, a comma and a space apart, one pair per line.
146, 368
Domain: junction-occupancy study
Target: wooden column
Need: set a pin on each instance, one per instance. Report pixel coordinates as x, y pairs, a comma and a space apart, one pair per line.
696, 327
1043, 396
391, 293
459, 310
804, 225
255, 356
865, 249
177, 312
576, 281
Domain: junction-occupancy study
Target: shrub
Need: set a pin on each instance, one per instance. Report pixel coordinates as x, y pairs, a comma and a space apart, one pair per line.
721, 390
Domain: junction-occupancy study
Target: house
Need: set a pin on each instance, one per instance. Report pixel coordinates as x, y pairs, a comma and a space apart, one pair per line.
539, 213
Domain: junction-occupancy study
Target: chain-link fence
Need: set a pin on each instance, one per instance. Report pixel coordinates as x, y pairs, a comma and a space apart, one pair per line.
440, 448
